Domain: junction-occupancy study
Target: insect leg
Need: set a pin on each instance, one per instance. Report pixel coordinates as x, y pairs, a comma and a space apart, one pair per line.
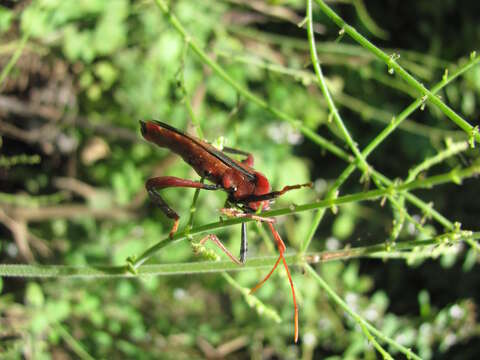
244, 240
153, 185
243, 244
281, 249
217, 242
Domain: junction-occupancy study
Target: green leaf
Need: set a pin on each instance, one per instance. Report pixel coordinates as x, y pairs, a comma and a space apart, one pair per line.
343, 226
110, 33
107, 73
6, 17
77, 44
34, 295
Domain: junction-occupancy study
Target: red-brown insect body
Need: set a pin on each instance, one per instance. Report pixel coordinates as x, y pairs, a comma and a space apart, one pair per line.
248, 189
198, 154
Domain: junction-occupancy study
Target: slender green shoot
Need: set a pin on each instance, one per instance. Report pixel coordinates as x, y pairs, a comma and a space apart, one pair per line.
358, 319
326, 93
383, 250
13, 60
394, 67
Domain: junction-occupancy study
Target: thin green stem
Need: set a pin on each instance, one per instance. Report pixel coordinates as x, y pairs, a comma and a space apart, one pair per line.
252, 300
452, 176
326, 93
394, 66
473, 244
364, 109
429, 210
337, 51
13, 60
401, 209
23, 159
193, 209
186, 95
367, 21
56, 271
451, 150
76, 347
396, 121
380, 349
357, 318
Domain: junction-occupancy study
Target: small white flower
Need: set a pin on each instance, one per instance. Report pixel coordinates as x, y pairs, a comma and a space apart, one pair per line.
456, 312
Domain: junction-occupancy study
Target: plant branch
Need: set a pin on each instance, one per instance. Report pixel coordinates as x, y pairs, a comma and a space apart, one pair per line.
365, 110
358, 319
452, 176
326, 93
392, 64
13, 60
56, 271
396, 121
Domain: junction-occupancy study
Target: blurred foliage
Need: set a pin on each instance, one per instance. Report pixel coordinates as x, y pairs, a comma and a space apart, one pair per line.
73, 167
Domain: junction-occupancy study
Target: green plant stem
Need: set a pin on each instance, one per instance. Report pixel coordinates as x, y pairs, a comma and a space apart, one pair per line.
186, 95
33, 201
13, 60
398, 205
326, 93
364, 109
364, 324
56, 271
473, 244
451, 150
334, 48
392, 64
367, 21
396, 121
76, 347
252, 300
452, 176
338, 51
24, 159
370, 113
380, 349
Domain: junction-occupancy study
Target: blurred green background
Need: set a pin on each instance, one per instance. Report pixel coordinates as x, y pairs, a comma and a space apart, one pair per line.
73, 167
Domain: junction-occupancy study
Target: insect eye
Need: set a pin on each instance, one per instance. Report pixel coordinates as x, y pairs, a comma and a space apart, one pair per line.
234, 188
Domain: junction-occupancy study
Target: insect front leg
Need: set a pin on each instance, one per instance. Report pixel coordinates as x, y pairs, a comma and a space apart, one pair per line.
244, 241
153, 185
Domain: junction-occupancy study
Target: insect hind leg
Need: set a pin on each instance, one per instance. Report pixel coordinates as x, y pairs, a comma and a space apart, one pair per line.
222, 247
153, 186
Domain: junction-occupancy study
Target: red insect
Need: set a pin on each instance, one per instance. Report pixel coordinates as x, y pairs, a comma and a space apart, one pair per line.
248, 190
